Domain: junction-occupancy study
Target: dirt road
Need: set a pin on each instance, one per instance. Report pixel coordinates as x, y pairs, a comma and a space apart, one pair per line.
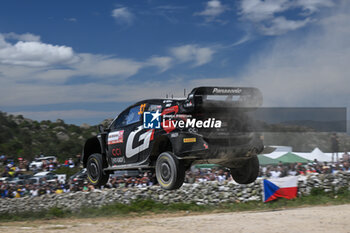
310, 219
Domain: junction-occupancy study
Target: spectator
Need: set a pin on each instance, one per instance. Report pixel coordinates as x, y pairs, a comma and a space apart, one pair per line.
275, 173
70, 163
335, 146
345, 157
78, 158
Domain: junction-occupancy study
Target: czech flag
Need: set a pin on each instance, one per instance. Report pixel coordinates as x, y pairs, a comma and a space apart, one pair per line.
286, 187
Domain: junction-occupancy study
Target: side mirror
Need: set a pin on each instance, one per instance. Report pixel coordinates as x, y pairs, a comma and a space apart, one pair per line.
101, 128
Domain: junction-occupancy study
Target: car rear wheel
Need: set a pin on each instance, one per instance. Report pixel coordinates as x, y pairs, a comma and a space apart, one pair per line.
170, 171
95, 173
247, 173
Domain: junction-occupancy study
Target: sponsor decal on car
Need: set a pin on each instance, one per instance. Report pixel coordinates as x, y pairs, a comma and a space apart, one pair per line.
187, 140
115, 137
118, 160
145, 138
227, 90
116, 152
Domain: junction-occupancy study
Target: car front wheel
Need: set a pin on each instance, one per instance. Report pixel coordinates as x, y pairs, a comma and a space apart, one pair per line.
95, 173
170, 171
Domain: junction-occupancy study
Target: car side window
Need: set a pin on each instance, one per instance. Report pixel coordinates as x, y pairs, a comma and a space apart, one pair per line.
121, 120
155, 107
134, 115
128, 117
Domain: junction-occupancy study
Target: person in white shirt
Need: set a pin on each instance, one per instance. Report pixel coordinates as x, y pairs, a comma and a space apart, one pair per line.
275, 173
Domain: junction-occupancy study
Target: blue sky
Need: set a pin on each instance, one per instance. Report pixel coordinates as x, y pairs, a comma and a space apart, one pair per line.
84, 61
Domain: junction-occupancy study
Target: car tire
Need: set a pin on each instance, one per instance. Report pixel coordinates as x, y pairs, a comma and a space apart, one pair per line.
170, 171
95, 174
247, 173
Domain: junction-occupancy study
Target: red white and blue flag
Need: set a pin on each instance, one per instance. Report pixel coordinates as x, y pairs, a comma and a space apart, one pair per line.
286, 187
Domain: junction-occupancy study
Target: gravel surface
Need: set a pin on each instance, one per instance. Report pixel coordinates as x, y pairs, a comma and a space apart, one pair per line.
309, 219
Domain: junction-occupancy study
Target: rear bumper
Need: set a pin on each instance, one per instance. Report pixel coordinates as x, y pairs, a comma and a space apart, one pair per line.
225, 152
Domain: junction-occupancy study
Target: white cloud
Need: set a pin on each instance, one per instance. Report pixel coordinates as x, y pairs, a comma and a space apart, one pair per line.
163, 63
31, 52
266, 14
311, 6
213, 9
99, 65
193, 53
88, 65
31, 59
71, 19
281, 25
22, 37
257, 10
123, 16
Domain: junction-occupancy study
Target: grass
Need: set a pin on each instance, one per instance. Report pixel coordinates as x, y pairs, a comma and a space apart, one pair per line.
317, 197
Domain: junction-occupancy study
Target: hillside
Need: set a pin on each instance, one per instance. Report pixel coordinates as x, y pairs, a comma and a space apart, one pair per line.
24, 137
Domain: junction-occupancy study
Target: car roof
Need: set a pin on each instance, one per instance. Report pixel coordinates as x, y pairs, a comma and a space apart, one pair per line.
156, 101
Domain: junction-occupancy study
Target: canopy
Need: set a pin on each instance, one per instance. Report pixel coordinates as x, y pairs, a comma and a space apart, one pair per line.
275, 154
206, 165
263, 160
316, 154
291, 158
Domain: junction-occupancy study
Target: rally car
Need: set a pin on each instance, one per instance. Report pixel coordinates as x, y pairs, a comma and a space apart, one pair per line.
169, 135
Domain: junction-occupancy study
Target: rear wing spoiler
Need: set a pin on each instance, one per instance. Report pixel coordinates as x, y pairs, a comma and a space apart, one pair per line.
223, 97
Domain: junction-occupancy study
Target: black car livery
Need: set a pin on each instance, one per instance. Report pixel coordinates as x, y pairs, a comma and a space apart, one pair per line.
169, 135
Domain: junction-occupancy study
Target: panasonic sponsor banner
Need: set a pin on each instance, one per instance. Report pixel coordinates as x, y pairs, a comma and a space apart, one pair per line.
230, 91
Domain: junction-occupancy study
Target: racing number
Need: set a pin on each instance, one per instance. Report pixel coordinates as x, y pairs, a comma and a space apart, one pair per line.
142, 109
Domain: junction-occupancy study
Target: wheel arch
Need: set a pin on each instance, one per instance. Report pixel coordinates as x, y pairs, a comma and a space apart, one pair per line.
160, 145
91, 146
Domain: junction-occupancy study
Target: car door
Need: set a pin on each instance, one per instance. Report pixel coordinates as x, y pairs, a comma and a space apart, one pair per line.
115, 140
123, 144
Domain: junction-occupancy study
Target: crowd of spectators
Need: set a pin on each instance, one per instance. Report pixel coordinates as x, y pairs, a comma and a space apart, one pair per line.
13, 167
16, 191
194, 175
295, 169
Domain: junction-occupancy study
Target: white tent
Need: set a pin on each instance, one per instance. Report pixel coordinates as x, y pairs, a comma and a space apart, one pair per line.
279, 151
340, 156
315, 154
276, 154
